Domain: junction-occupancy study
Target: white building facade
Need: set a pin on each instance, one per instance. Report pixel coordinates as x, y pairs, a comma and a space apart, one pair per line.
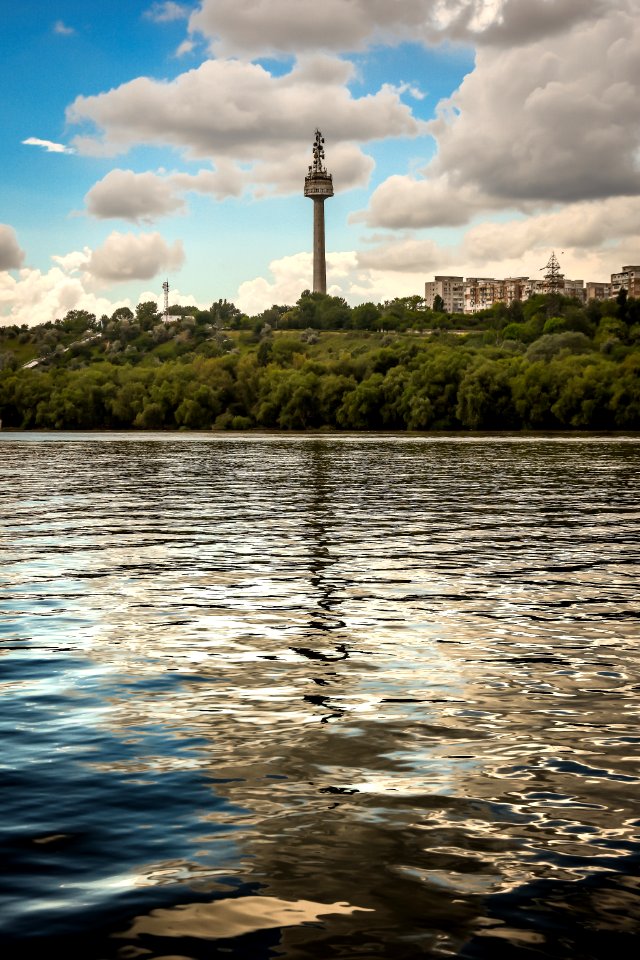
628, 279
450, 289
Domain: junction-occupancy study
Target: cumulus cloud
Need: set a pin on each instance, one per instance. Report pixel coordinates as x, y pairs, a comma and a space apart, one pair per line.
187, 46
167, 11
290, 276
128, 256
41, 296
582, 234
37, 297
62, 29
138, 197
49, 145
227, 180
11, 256
230, 109
145, 197
404, 255
346, 277
578, 226
560, 121
176, 299
254, 28
402, 202
121, 258
553, 121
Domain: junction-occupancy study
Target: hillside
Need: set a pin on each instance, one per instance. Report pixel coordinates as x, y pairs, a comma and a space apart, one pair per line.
549, 363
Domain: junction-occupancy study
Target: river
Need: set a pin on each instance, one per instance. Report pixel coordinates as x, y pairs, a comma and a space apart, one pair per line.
319, 696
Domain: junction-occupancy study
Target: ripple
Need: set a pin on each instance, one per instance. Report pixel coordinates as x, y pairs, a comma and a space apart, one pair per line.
252, 680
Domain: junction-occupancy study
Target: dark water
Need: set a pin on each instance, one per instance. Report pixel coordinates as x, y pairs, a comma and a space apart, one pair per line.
319, 697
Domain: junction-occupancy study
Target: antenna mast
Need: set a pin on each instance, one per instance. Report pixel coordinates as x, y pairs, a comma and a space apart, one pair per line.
553, 279
165, 287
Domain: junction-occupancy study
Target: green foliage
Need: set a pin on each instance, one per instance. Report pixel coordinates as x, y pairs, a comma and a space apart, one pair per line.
555, 325
546, 364
485, 398
550, 344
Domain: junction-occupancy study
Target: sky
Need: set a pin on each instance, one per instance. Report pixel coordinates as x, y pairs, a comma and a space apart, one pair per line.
144, 141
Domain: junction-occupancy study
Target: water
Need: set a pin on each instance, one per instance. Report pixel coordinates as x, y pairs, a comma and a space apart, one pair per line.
319, 697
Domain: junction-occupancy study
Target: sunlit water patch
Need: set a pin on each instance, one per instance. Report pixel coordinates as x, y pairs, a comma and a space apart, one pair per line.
315, 697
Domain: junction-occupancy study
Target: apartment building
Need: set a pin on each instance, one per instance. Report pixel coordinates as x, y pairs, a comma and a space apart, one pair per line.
450, 289
514, 289
480, 293
629, 279
597, 291
574, 288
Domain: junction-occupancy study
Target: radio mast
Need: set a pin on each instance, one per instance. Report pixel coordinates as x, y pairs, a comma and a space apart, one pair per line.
165, 287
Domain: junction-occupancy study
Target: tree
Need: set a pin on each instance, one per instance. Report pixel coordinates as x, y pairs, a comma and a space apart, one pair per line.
621, 301
224, 314
438, 304
485, 399
122, 313
365, 316
147, 314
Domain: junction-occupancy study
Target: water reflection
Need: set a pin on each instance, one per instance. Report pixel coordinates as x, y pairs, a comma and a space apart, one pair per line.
225, 919
393, 673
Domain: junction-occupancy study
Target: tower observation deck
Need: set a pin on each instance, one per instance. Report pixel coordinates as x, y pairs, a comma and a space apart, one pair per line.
318, 185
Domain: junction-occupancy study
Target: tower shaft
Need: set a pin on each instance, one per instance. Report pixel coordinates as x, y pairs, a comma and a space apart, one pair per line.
319, 259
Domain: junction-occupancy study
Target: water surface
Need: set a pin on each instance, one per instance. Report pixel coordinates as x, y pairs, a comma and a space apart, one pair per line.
319, 697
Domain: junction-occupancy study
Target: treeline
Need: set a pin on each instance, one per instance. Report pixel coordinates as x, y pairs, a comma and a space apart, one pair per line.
547, 364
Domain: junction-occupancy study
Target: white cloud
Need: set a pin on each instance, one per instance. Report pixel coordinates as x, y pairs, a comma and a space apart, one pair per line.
553, 121
11, 256
577, 227
593, 239
291, 275
144, 197
402, 202
254, 28
349, 166
226, 109
121, 258
176, 299
346, 277
227, 180
403, 255
409, 88
37, 297
73, 262
128, 256
137, 197
187, 46
62, 29
559, 120
48, 145
167, 11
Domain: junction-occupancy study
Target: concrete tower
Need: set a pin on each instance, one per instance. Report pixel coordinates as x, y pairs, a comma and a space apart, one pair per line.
318, 184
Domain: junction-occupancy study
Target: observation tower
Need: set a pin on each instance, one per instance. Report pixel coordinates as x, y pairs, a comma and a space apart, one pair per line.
318, 184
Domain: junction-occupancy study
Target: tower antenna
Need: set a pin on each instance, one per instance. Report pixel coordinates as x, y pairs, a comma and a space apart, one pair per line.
165, 287
318, 185
553, 279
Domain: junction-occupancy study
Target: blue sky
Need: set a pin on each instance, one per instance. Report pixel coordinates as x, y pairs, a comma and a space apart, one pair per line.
171, 140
